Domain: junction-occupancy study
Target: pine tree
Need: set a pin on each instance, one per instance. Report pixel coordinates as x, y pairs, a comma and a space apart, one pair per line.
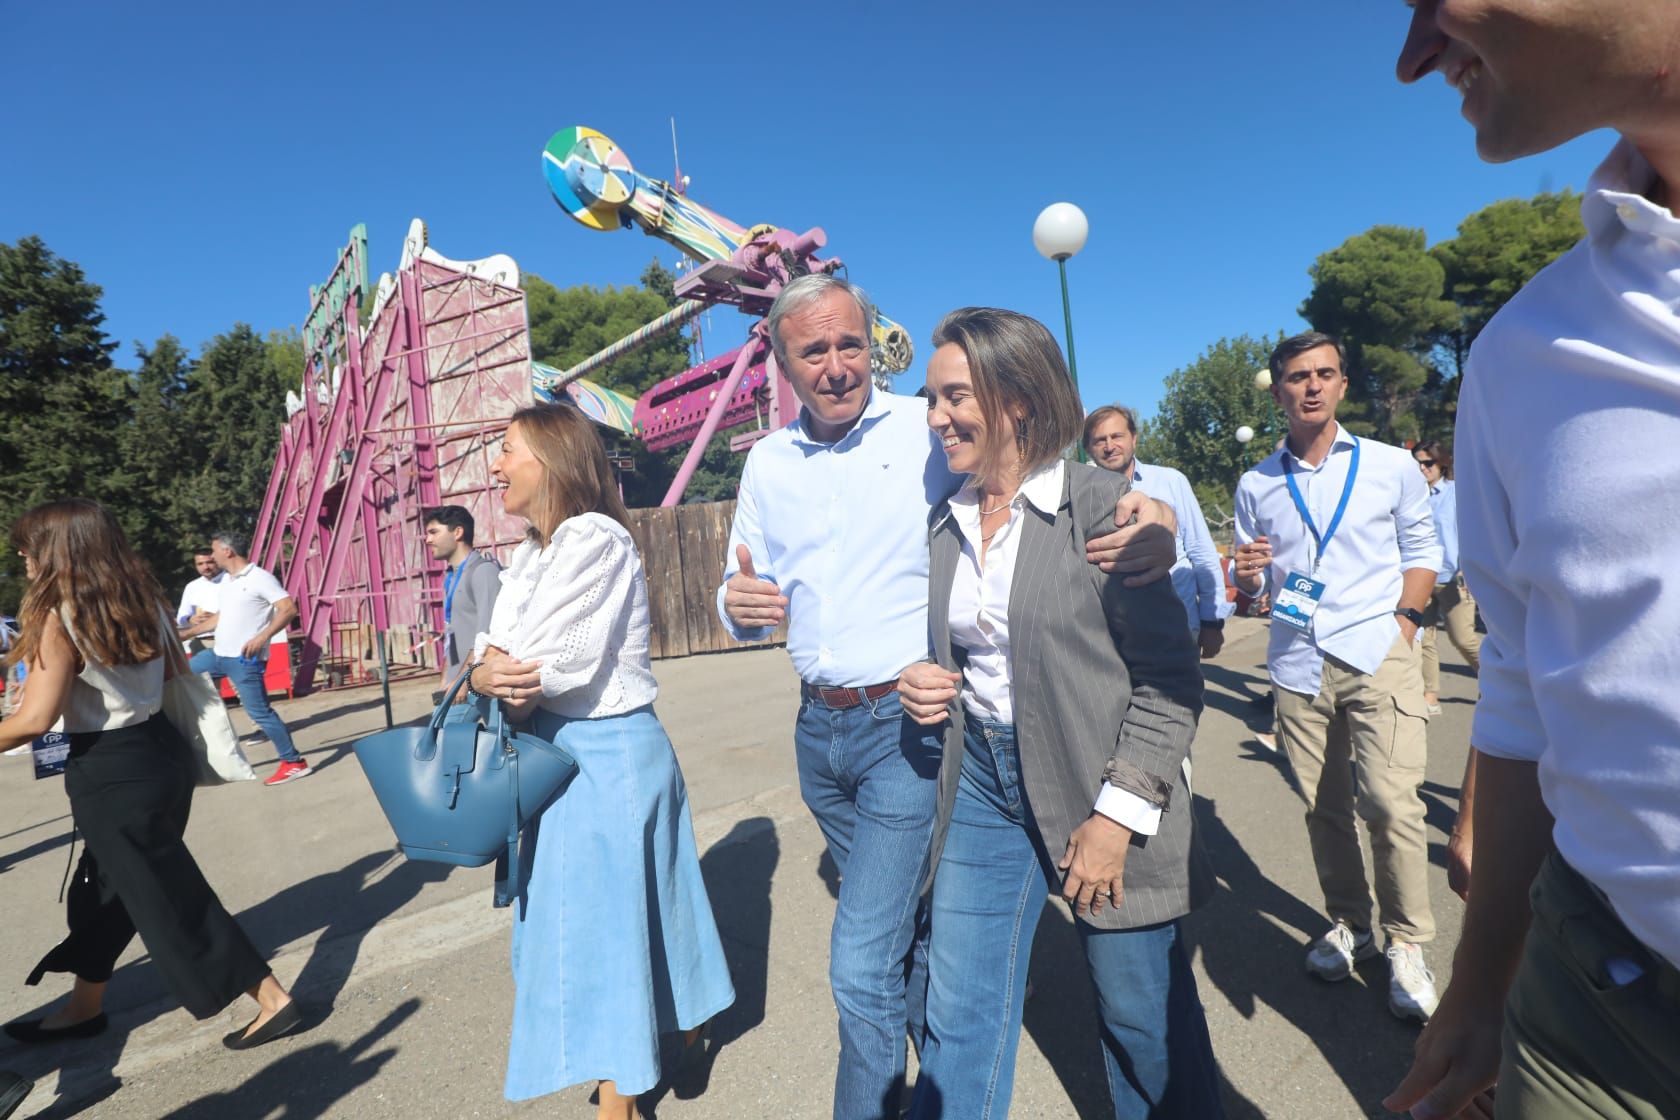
65, 404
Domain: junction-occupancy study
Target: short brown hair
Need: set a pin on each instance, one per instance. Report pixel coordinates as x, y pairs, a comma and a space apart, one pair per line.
576, 476
1016, 366
1296, 345
1107, 411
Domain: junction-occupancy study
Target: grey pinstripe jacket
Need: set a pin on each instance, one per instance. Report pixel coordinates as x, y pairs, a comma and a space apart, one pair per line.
1106, 686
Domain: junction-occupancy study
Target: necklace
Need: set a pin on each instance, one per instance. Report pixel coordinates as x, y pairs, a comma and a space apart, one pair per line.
984, 512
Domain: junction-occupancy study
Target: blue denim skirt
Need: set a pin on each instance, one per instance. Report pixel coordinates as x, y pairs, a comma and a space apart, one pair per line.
613, 940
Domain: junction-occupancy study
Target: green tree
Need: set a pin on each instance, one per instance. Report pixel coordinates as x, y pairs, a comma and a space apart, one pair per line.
1380, 292
1498, 249
64, 401
157, 451
1194, 427
570, 324
233, 410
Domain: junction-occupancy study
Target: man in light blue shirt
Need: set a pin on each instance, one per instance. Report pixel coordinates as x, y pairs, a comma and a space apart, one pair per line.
830, 532
1341, 528
1111, 442
1451, 604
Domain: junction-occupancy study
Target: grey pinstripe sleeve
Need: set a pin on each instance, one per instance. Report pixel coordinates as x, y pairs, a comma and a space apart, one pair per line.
1153, 638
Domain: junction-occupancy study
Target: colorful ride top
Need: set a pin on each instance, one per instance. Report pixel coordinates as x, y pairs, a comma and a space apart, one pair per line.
744, 267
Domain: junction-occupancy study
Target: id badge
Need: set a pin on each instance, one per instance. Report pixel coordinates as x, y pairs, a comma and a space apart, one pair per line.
1297, 602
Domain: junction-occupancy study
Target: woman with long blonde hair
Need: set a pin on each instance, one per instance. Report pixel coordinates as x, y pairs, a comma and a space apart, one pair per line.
614, 943
99, 645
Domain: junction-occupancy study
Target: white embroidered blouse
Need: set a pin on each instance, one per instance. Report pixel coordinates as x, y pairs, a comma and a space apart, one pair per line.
579, 606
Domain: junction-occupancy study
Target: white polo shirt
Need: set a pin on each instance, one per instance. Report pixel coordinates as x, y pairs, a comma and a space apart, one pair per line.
1568, 457
201, 595
247, 606
1386, 530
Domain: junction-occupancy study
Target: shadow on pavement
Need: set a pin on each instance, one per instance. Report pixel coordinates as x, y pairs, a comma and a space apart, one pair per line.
343, 905
739, 871
1252, 938
306, 1081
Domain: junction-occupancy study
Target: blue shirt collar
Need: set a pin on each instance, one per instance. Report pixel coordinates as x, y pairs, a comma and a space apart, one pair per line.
873, 409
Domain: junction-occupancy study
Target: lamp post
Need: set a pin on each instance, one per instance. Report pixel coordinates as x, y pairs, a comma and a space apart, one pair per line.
1059, 233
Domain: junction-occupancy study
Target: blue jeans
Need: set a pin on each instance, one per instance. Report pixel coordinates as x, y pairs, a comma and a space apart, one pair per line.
869, 775
247, 678
987, 898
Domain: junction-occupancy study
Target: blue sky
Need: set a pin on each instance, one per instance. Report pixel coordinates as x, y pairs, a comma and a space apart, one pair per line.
203, 162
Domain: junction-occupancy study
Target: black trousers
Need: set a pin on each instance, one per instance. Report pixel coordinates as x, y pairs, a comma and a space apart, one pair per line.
130, 794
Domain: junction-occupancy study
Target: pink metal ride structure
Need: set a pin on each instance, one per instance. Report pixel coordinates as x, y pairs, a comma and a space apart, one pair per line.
393, 419
592, 180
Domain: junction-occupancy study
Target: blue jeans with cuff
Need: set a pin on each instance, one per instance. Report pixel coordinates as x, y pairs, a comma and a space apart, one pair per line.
869, 775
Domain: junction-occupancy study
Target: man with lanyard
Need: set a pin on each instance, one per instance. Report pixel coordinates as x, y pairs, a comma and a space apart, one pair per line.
1341, 528
830, 532
1566, 983
471, 582
1111, 442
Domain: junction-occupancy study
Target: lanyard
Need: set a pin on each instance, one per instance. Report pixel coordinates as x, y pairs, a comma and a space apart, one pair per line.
1323, 542
450, 579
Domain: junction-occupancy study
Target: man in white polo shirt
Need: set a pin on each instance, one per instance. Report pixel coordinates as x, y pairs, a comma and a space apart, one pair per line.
1566, 984
254, 609
1341, 527
195, 618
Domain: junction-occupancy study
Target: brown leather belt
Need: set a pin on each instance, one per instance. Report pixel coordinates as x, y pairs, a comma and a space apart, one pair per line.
839, 699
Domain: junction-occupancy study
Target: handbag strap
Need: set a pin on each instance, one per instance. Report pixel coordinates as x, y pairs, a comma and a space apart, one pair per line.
508, 860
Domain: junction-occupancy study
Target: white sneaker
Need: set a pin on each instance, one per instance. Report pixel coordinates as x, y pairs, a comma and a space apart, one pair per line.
1411, 986
1267, 740
1332, 956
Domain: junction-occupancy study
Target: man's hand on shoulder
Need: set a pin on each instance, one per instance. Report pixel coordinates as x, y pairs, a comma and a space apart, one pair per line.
750, 602
1144, 546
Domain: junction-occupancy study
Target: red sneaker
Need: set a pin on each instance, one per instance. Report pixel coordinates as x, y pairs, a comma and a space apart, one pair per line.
287, 771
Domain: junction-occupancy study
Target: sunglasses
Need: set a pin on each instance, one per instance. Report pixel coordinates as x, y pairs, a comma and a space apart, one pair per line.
1426, 462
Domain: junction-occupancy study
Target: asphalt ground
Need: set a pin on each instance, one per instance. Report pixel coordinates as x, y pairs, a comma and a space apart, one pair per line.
404, 966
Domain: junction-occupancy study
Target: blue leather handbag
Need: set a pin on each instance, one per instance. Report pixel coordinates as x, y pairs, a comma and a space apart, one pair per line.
459, 789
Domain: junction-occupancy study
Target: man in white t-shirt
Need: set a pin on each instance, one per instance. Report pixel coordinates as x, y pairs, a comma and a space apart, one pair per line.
195, 618
254, 608
1565, 993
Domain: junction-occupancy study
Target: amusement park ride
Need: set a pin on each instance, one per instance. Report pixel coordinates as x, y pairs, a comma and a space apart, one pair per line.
404, 413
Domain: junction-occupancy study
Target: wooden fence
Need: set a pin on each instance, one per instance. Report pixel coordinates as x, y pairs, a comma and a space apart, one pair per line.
683, 550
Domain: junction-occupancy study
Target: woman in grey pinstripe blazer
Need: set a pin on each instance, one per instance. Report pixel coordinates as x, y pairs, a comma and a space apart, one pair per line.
1072, 700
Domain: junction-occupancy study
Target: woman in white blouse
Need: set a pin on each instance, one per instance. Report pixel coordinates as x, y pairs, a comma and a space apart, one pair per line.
1072, 700
614, 943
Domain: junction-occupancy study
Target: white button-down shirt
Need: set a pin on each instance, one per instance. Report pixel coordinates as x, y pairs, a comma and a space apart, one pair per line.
842, 528
1386, 530
1568, 455
1197, 575
980, 621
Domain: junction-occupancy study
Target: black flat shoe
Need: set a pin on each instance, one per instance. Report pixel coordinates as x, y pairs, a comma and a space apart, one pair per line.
13, 1090
288, 1018
32, 1032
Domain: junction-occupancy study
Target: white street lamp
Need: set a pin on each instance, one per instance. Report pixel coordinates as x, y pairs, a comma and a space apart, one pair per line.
1244, 434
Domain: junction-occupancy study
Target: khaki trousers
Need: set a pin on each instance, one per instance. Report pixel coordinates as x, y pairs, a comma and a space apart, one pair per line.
1592, 1025
1450, 606
1358, 748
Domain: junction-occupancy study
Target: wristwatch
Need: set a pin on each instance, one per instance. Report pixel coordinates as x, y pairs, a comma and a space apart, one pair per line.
1410, 614
1212, 624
